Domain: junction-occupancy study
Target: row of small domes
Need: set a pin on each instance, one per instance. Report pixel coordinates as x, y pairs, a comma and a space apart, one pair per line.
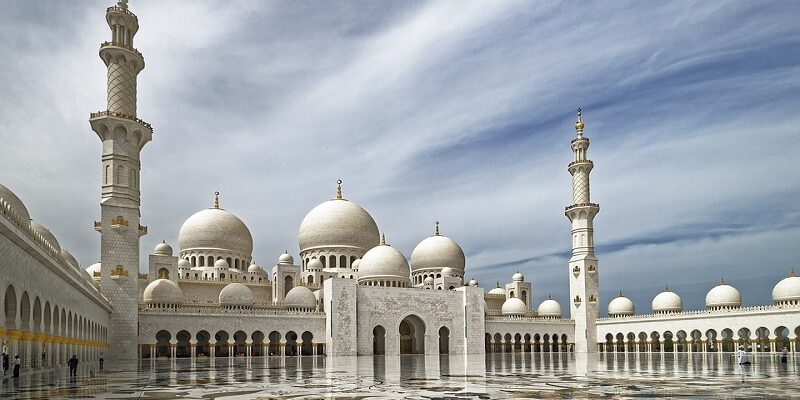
721, 296
165, 291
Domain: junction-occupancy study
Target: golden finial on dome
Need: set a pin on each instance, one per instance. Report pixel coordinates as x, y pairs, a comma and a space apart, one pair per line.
620, 293
722, 281
791, 273
216, 199
339, 189
383, 239
436, 230
549, 297
666, 288
579, 124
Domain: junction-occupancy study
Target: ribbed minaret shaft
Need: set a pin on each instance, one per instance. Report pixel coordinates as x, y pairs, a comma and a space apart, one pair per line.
583, 268
123, 137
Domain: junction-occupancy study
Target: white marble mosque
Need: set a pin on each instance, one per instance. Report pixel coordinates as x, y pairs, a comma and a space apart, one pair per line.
346, 292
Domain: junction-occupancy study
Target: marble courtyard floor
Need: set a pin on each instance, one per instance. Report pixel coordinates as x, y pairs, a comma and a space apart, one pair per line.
537, 375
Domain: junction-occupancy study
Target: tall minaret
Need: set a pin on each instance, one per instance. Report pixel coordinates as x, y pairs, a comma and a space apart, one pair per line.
583, 282
123, 136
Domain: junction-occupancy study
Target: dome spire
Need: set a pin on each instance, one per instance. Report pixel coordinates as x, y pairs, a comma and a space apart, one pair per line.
791, 273
722, 281
620, 293
383, 239
436, 230
579, 124
666, 288
216, 199
339, 190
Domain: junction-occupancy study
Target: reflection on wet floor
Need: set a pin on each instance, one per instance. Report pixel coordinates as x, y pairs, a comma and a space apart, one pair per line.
506, 375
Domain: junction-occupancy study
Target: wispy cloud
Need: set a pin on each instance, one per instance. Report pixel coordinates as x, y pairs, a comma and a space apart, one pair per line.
453, 111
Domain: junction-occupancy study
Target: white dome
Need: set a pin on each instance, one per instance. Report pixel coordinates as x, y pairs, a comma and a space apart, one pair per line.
428, 281
549, 308
163, 291
447, 271
338, 223
286, 258
70, 259
14, 202
620, 306
300, 297
354, 265
667, 301
437, 252
216, 229
514, 306
383, 262
498, 291
184, 264
236, 294
788, 289
254, 268
723, 295
92, 269
48, 236
315, 265
473, 283
163, 249
518, 277
221, 264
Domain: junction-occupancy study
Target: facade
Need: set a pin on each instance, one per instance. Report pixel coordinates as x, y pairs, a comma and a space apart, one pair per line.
349, 292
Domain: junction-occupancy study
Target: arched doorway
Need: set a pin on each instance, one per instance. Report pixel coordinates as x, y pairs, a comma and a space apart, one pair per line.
221, 347
378, 341
257, 349
307, 347
203, 348
162, 344
291, 344
183, 348
240, 344
274, 343
288, 284
444, 340
412, 335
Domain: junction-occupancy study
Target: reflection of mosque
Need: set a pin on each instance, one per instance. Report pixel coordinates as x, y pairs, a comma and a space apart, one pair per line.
349, 292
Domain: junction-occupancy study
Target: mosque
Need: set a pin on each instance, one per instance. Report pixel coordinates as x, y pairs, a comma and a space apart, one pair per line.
349, 292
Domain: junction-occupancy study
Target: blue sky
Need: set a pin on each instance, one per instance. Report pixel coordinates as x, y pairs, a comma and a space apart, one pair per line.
459, 111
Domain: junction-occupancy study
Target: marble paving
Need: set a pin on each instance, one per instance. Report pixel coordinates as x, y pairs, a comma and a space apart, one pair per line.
495, 376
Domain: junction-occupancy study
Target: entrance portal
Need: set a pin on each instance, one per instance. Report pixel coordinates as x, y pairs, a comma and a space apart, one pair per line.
412, 335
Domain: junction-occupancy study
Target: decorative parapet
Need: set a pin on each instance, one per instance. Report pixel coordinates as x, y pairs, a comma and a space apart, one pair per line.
582, 205
669, 315
121, 45
530, 318
122, 10
143, 276
217, 309
119, 272
121, 115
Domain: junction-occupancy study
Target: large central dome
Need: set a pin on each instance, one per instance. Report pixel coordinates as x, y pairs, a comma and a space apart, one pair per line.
215, 228
338, 223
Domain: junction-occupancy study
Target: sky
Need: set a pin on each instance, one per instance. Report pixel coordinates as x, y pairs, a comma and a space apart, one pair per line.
456, 111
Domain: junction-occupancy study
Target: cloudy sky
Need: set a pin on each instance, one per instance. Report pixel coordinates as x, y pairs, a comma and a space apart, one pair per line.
454, 111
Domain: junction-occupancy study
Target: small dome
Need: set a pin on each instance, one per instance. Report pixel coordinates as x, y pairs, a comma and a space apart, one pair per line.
48, 236
184, 264
518, 277
221, 264
667, 302
300, 297
94, 271
514, 306
286, 259
498, 291
621, 306
447, 271
338, 223
14, 203
314, 265
787, 290
163, 249
549, 308
163, 291
254, 268
473, 283
236, 294
355, 264
216, 229
70, 259
428, 281
723, 296
437, 252
383, 262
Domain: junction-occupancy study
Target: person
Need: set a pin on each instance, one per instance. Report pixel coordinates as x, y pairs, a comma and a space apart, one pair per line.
17, 364
742, 355
73, 366
101, 360
44, 358
5, 363
784, 355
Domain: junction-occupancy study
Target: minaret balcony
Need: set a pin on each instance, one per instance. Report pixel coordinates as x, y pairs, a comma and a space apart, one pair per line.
122, 46
98, 226
115, 114
580, 162
579, 205
142, 230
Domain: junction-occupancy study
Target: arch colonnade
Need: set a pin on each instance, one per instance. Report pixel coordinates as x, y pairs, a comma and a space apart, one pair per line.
224, 344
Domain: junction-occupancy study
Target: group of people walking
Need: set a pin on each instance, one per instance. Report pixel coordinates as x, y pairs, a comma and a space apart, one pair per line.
7, 363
